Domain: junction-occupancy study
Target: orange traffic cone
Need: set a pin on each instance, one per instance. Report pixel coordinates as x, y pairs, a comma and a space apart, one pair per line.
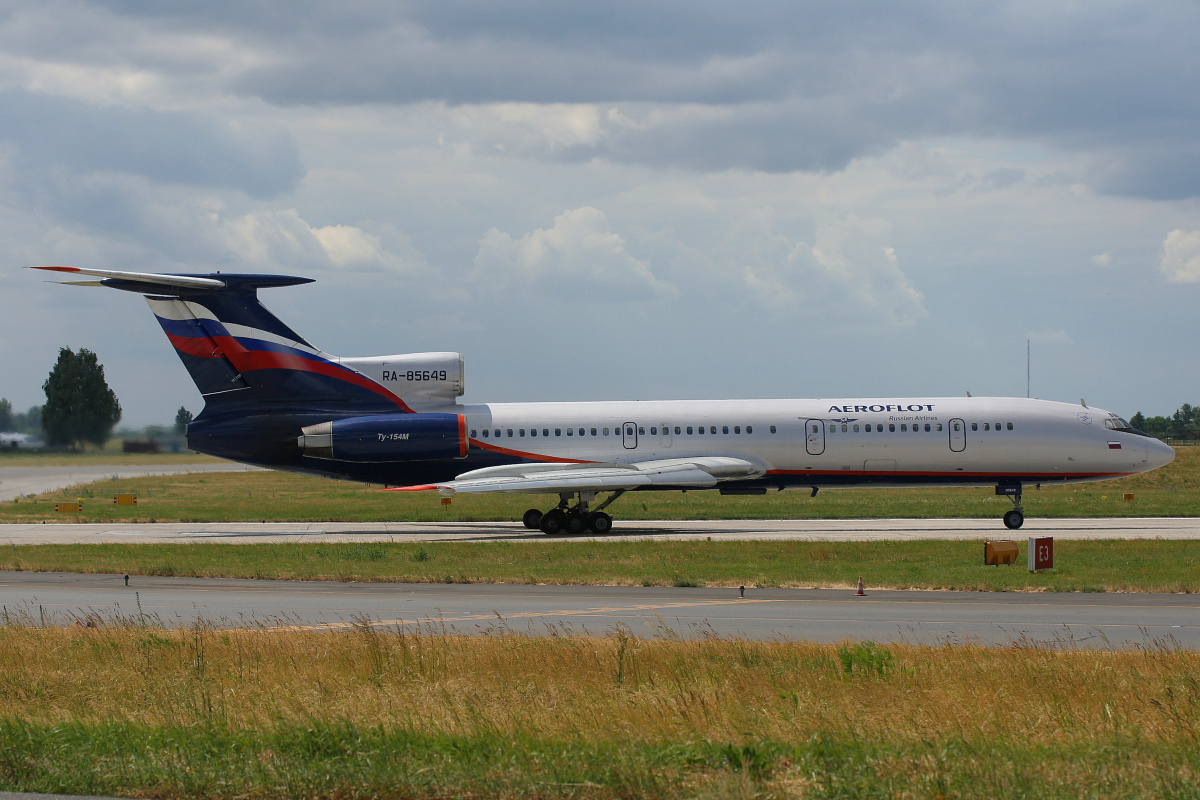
860, 592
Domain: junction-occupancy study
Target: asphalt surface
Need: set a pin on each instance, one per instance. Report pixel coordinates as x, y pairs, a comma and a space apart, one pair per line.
787, 529
825, 615
26, 480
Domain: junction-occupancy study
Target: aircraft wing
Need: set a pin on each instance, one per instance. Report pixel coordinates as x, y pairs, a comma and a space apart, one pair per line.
687, 473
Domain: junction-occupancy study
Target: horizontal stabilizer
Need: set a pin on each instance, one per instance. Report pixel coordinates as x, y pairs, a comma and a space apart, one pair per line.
181, 281
178, 284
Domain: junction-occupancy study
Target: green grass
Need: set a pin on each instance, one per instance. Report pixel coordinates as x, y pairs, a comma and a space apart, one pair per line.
260, 496
135, 711
1089, 566
344, 761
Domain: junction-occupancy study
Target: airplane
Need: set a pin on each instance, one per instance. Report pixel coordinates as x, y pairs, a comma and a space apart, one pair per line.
274, 400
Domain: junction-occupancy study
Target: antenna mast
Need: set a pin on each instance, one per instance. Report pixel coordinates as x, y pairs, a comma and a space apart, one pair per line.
1027, 367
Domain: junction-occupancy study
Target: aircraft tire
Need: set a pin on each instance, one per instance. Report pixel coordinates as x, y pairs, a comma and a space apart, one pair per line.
600, 522
532, 519
576, 524
1014, 519
553, 522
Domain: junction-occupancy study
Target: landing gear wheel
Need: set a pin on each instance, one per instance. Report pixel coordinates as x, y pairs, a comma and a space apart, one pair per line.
576, 524
552, 522
532, 519
1014, 519
600, 522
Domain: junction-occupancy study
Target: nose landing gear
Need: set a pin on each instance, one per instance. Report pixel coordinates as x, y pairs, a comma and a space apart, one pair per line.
574, 520
1015, 517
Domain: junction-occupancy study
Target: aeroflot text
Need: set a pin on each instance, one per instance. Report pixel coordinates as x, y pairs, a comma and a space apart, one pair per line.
861, 409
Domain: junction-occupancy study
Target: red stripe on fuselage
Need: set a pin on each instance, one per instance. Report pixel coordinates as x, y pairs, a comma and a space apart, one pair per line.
531, 456
955, 474
245, 360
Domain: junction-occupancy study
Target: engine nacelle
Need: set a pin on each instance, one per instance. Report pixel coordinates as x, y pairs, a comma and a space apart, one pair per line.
416, 378
386, 437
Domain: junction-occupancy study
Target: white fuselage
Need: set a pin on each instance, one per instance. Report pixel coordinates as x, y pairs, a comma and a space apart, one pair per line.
823, 442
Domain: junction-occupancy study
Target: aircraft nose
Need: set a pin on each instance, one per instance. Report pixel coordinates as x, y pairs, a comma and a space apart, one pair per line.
1158, 454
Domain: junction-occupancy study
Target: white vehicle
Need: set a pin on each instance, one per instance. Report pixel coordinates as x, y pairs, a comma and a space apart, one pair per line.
274, 400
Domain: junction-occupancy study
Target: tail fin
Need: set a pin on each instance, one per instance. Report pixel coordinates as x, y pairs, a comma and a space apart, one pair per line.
241, 355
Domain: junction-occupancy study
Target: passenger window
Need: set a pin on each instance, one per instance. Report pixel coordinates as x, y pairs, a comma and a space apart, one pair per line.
955, 426
724, 429
939, 427
713, 429
606, 431
629, 430
749, 429
473, 433
772, 429
593, 431
510, 433
676, 430
497, 433
570, 431
521, 432
485, 433
654, 431
997, 425
891, 427
558, 431
689, 430
974, 426
987, 427
701, 430
833, 428
903, 428
927, 427
545, 431
1010, 426
856, 427
737, 428
843, 427
533, 431
867, 427
641, 430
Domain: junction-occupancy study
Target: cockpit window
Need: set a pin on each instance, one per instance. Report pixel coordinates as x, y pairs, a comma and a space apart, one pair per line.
1117, 424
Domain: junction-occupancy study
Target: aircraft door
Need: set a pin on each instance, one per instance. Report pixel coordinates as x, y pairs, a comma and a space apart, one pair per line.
814, 436
629, 435
958, 435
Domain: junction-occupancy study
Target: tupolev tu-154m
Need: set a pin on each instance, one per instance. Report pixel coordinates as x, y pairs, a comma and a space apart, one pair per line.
274, 400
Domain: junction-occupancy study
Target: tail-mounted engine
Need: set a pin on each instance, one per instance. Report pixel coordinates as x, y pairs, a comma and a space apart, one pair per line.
427, 379
386, 437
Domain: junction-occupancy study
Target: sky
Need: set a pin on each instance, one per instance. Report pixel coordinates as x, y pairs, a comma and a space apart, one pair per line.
621, 200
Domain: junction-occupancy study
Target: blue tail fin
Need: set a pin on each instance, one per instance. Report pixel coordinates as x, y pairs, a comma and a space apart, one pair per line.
242, 356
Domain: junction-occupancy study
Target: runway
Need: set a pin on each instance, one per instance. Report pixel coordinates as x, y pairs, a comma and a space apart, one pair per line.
1102, 621
28, 480
774, 529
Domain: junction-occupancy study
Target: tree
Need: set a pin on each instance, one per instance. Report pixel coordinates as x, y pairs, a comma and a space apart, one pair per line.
182, 418
6, 415
1138, 421
80, 407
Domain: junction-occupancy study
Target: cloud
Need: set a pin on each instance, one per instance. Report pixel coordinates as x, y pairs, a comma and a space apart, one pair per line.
850, 266
1180, 260
1053, 337
190, 148
578, 257
1103, 260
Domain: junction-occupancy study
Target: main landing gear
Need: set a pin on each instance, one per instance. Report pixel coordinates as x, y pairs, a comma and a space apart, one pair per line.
1014, 517
569, 519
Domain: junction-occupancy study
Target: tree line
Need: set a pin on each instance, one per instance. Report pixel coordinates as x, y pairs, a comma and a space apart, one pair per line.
1183, 425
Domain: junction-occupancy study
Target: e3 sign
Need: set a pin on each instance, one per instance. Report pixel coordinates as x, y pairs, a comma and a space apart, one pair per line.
1041, 553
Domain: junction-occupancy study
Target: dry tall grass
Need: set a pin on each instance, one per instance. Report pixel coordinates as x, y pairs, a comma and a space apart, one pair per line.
614, 688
